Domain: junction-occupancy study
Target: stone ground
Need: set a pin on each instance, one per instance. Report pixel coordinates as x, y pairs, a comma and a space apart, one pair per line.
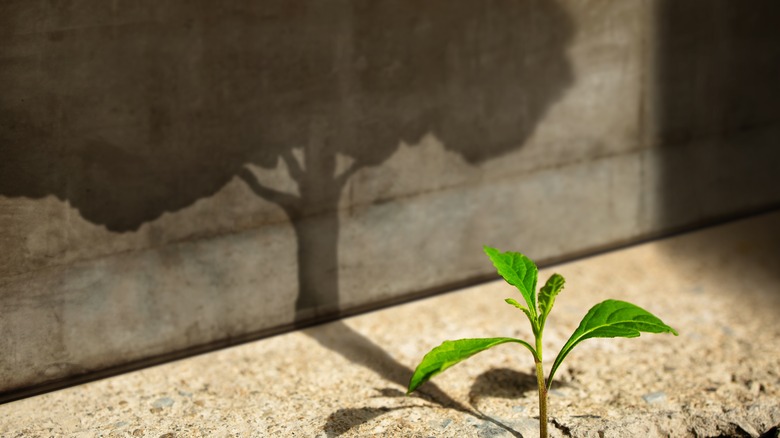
719, 287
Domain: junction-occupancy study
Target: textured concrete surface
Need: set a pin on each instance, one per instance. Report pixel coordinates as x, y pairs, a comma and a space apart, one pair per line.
179, 174
720, 377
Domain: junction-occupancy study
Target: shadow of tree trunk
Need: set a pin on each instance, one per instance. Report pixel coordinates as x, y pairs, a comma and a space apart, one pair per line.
358, 349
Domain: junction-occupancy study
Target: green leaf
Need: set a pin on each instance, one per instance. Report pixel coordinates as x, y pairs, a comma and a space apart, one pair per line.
450, 353
525, 310
519, 271
611, 319
547, 295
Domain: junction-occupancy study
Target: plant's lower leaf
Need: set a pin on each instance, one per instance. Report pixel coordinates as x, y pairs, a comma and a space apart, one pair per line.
450, 353
611, 319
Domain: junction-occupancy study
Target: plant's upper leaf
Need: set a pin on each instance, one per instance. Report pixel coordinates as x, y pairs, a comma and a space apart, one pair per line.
547, 295
450, 353
525, 310
519, 271
611, 319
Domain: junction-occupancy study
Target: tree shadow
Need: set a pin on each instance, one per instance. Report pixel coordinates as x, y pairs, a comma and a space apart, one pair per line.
353, 346
126, 126
339, 337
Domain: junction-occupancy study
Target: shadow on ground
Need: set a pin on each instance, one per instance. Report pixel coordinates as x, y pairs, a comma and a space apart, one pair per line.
358, 349
353, 346
746, 250
501, 383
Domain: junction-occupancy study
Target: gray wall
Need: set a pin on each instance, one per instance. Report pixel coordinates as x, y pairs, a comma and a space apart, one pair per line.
176, 175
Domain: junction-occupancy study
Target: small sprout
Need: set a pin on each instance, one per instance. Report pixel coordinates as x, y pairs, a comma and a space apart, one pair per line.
608, 319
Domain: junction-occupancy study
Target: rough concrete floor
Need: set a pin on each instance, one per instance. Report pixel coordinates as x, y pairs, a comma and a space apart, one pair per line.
720, 288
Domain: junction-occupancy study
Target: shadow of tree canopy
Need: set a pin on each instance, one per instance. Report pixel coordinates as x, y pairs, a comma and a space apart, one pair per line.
135, 110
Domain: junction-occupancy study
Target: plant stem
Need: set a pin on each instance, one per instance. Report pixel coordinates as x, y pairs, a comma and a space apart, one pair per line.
542, 389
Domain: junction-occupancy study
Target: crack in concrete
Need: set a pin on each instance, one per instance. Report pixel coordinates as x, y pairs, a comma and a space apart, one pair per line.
565, 430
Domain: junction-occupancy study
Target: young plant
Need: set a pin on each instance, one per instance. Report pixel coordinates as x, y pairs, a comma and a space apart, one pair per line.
608, 319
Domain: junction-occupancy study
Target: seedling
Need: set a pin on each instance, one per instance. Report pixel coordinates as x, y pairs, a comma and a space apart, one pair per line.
608, 319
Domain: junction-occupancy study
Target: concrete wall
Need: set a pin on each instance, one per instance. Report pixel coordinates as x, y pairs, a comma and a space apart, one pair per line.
176, 175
